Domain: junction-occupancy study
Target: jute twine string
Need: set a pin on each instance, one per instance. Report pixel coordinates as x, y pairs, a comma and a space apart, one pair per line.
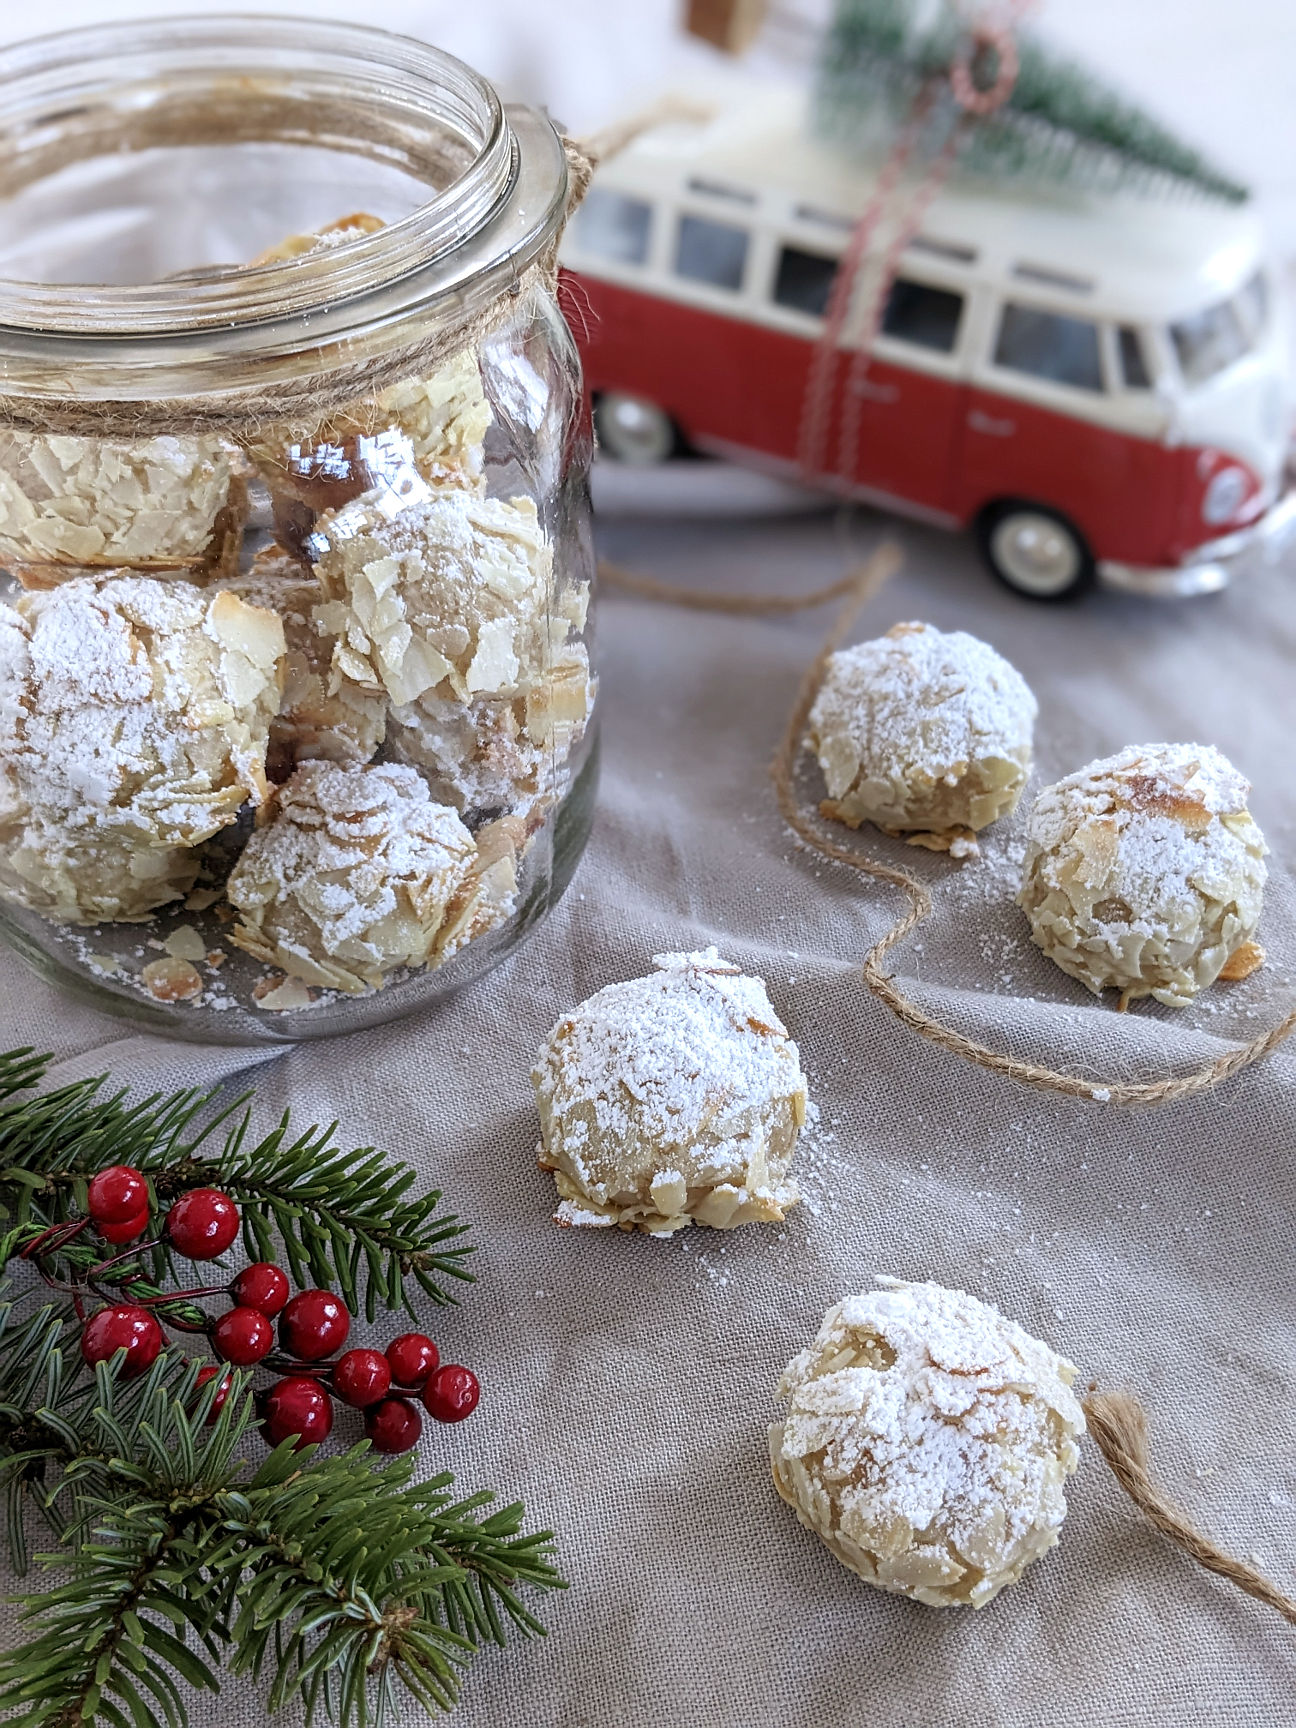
325, 384
1116, 1420
1118, 1425
735, 605
807, 826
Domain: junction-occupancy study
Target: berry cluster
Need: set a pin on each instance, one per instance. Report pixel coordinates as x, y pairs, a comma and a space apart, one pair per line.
313, 1325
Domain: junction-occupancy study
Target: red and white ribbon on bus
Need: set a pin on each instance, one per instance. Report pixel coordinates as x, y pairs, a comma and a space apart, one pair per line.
970, 102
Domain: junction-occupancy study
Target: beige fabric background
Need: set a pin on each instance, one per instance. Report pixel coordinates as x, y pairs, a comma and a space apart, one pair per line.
627, 1382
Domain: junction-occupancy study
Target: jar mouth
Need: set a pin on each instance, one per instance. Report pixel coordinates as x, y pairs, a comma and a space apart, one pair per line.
96, 93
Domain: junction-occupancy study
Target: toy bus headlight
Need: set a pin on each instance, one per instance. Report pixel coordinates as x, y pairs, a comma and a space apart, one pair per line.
1225, 495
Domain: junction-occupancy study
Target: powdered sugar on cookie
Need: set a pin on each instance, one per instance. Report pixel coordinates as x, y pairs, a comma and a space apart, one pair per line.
922, 731
927, 1442
672, 1099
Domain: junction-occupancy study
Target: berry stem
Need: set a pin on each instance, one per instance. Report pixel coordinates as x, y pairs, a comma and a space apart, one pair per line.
45, 1243
281, 1364
58, 1284
126, 1254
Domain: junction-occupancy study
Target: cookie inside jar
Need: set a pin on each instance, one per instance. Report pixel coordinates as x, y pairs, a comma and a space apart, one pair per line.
291, 704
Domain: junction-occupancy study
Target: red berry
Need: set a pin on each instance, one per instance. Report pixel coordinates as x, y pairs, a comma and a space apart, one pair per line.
109, 1330
297, 1406
117, 1194
393, 1426
127, 1230
263, 1286
451, 1393
222, 1391
242, 1336
202, 1223
413, 1357
314, 1325
362, 1377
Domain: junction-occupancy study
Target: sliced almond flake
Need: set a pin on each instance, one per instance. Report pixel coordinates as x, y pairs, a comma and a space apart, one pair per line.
172, 980
185, 943
1249, 958
287, 994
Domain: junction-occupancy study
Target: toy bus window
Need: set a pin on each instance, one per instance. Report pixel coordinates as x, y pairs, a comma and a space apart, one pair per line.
613, 226
1049, 345
1209, 341
804, 280
1252, 303
928, 317
711, 252
1133, 365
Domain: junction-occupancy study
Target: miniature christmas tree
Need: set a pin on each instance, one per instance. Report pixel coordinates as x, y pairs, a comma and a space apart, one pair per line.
1059, 123
344, 1582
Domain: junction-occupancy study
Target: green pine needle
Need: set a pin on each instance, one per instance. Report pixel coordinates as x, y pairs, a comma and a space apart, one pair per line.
347, 1219
342, 1584
1061, 122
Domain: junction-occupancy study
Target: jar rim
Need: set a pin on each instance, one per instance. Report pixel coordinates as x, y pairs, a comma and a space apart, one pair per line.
86, 79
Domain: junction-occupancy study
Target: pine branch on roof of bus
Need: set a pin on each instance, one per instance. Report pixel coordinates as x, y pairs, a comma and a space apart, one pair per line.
1061, 122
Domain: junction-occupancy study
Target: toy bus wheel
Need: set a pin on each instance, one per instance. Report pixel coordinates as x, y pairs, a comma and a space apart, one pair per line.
633, 430
1035, 552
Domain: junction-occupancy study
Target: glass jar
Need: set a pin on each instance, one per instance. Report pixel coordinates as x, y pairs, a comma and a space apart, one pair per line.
298, 707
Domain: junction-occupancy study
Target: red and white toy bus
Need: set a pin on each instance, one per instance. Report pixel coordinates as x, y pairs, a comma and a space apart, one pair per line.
1094, 384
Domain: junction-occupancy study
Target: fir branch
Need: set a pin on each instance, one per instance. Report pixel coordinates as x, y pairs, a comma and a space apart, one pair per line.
100, 1636
346, 1578
347, 1582
1060, 122
344, 1218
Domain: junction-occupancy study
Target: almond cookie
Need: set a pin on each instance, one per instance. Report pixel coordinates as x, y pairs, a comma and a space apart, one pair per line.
672, 1100
134, 717
357, 874
323, 716
431, 428
500, 752
923, 733
69, 504
446, 594
927, 1441
1145, 873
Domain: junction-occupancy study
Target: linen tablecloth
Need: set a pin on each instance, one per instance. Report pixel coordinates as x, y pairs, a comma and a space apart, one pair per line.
627, 1382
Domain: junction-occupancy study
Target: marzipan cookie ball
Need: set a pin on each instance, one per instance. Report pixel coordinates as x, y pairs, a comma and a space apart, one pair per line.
500, 752
422, 428
450, 594
1145, 873
927, 1441
76, 874
149, 503
432, 427
672, 1100
325, 239
134, 718
923, 733
323, 715
357, 874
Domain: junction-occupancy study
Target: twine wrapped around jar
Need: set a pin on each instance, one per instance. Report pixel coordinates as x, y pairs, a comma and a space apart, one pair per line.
321, 386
